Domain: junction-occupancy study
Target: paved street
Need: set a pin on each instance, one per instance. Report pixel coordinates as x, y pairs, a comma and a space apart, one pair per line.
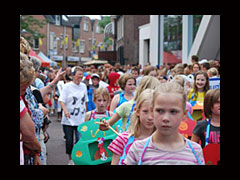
56, 144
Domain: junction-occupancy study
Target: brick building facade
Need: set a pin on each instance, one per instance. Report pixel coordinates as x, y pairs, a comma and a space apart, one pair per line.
127, 40
73, 28
90, 34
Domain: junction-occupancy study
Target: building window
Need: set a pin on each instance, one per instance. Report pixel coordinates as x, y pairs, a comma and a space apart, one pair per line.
85, 25
172, 38
82, 46
120, 28
57, 20
74, 47
61, 41
64, 41
76, 32
196, 23
52, 40
53, 43
89, 44
35, 43
98, 29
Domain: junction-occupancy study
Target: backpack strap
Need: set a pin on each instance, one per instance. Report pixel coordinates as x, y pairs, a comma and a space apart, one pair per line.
130, 114
130, 141
92, 115
207, 132
107, 113
191, 100
121, 98
199, 161
144, 150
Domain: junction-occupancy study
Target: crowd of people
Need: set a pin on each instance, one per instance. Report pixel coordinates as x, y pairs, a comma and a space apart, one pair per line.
148, 104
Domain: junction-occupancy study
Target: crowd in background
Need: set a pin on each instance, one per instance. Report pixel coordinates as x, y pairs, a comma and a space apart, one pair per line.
45, 90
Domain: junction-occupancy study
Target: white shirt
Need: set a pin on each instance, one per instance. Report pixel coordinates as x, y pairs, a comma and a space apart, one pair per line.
60, 85
101, 83
74, 97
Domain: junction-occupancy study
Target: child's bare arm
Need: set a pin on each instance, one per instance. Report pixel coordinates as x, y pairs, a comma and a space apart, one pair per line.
114, 102
110, 122
87, 116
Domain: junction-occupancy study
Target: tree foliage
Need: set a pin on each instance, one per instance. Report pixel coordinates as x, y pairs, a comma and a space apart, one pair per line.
105, 21
29, 27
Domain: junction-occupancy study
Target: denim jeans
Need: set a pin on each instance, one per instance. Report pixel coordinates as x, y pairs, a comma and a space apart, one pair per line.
69, 131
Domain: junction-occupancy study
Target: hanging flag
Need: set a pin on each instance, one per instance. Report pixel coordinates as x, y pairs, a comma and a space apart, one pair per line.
40, 41
66, 40
102, 47
77, 43
63, 43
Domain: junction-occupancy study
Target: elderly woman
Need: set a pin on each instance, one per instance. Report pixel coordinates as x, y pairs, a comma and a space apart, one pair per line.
27, 130
73, 100
38, 111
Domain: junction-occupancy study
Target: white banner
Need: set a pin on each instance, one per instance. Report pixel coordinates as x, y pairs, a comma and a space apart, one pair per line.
214, 83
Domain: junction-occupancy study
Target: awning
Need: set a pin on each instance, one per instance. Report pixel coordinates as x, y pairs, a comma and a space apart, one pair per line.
171, 58
45, 58
108, 30
95, 62
44, 63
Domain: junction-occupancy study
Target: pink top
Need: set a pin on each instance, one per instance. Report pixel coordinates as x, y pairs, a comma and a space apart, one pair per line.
157, 156
119, 143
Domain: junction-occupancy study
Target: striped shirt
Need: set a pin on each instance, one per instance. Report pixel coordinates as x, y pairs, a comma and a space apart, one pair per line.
23, 111
119, 143
23, 108
157, 156
97, 115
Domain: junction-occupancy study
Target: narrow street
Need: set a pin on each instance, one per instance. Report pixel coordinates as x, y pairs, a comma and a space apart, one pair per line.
56, 154
91, 65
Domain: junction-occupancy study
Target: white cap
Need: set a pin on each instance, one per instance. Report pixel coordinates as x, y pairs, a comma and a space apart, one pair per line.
203, 61
120, 72
95, 75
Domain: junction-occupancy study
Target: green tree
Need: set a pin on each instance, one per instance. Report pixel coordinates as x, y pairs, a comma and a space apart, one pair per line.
31, 26
105, 21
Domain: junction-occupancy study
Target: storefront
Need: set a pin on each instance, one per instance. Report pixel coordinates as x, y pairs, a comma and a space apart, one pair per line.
71, 60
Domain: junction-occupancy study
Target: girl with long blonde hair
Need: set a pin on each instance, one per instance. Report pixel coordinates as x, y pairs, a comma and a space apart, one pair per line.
141, 127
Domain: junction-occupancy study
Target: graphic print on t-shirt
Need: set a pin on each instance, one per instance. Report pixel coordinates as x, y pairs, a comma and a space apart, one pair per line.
76, 110
74, 100
214, 137
83, 99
